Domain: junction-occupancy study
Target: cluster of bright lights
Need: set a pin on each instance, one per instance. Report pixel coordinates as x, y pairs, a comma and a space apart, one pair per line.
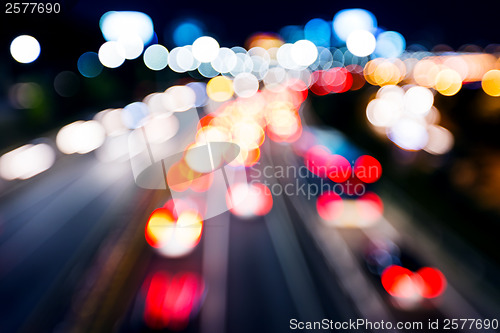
405, 113
126, 34
409, 119
253, 95
246, 117
269, 59
360, 212
410, 286
302, 58
409, 289
446, 74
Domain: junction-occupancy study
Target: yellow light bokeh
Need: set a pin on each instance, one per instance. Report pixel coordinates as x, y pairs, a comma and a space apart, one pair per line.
220, 89
383, 72
491, 82
448, 82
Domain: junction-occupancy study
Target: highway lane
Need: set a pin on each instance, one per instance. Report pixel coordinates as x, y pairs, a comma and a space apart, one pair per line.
81, 226
52, 225
257, 277
344, 249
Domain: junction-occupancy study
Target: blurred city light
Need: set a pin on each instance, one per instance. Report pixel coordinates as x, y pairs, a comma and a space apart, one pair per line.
249, 200
304, 52
205, 49
135, 115
132, 45
245, 85
117, 24
220, 89
171, 236
409, 134
26, 161
178, 98
187, 32
25, 49
491, 82
367, 169
349, 20
156, 57
318, 31
330, 206
400, 282
217, 116
390, 44
80, 137
361, 43
111, 54
172, 300
89, 64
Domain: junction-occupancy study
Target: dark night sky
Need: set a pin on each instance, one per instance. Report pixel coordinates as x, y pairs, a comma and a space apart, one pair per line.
447, 22
231, 22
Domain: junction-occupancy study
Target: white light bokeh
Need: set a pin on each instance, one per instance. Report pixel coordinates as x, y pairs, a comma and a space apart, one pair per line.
275, 78
172, 60
205, 49
178, 98
391, 92
243, 64
124, 23
111, 120
132, 45
382, 112
26, 161
361, 43
111, 54
155, 104
324, 59
135, 115
348, 20
409, 134
156, 57
245, 85
80, 137
161, 127
284, 56
25, 49
418, 100
225, 60
200, 91
440, 140
304, 52
185, 59
260, 66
